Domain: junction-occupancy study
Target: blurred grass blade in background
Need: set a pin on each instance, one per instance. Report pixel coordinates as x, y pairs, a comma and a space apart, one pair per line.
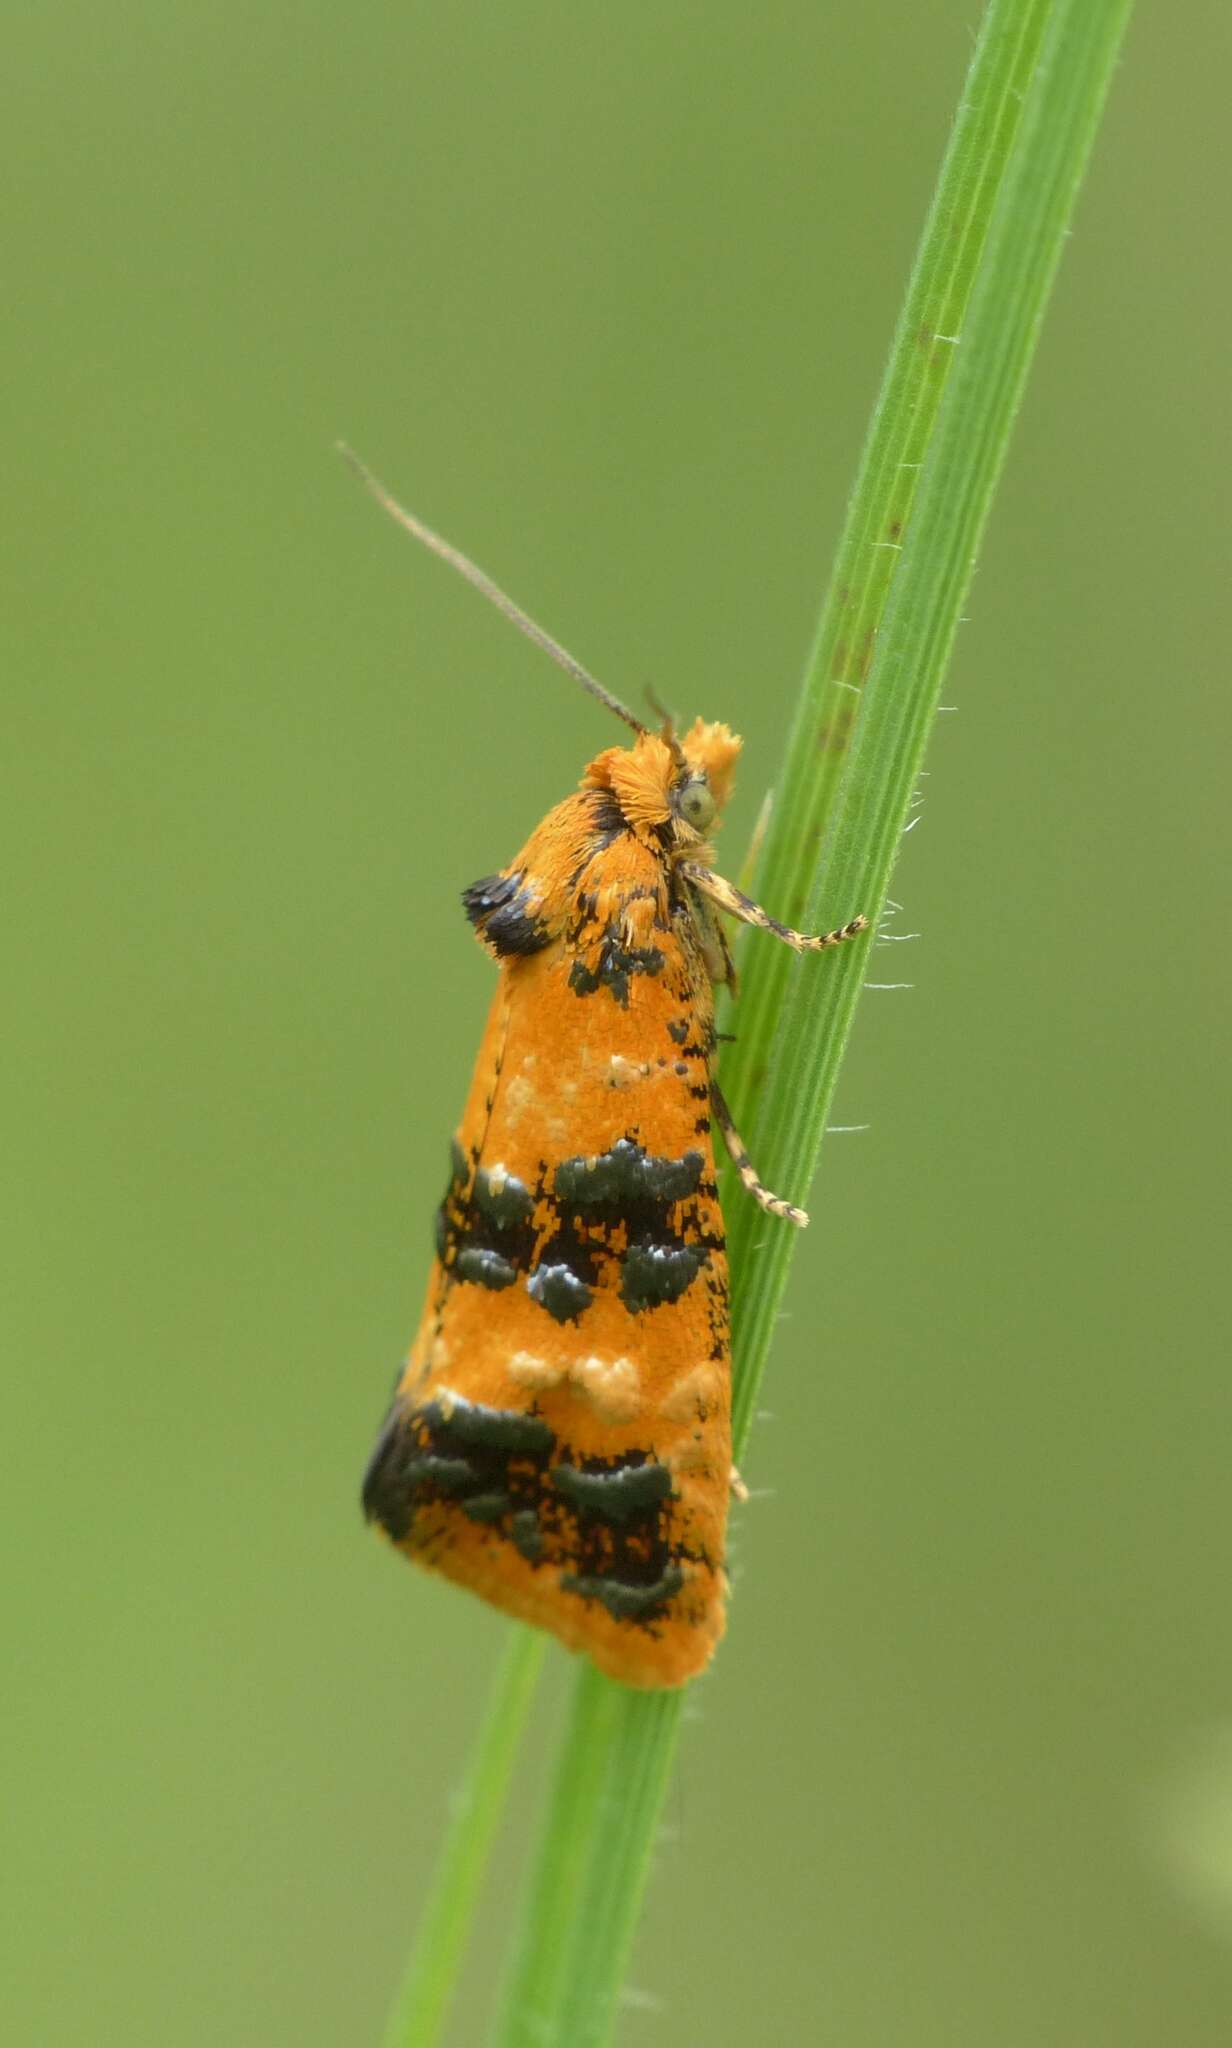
423, 1997
1029, 112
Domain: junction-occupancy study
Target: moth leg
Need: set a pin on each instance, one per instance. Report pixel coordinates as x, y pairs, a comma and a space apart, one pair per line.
773, 1204
737, 1488
716, 952
726, 896
748, 866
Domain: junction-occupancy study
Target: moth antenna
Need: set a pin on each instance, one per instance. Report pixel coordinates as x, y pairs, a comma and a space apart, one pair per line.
487, 588
668, 728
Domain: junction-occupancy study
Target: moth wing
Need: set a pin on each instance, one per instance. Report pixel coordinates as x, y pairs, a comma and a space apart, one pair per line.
560, 1438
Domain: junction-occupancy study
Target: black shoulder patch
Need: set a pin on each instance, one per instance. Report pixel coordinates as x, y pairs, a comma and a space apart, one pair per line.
607, 820
498, 907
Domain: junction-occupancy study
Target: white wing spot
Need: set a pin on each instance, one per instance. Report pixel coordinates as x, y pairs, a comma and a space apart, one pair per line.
530, 1371
611, 1385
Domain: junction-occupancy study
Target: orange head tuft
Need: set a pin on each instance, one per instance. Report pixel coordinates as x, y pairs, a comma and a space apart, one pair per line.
660, 780
640, 778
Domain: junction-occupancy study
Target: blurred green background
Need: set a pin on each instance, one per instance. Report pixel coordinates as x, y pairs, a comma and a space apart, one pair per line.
605, 293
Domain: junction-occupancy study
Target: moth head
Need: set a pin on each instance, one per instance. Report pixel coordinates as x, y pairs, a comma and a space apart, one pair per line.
664, 781
710, 752
706, 757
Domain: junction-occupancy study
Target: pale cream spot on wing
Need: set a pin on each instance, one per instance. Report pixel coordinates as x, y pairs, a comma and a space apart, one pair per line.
520, 1096
622, 1073
610, 1385
530, 1371
695, 1394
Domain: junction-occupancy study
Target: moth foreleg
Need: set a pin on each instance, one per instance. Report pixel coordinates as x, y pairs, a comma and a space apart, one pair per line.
725, 896
773, 1204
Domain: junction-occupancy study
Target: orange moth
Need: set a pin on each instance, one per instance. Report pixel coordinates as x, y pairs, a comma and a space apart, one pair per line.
560, 1438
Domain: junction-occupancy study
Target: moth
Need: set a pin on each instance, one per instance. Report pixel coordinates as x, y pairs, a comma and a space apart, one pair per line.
559, 1440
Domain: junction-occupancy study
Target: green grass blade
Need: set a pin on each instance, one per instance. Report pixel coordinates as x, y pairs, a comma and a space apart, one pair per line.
922, 356
594, 1858
1030, 109
794, 1046
423, 1997
900, 443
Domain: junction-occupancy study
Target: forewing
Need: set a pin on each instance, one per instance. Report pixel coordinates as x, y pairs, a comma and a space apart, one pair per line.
560, 1439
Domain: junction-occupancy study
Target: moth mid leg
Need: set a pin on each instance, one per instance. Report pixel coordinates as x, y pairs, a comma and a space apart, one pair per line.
726, 896
774, 1205
716, 953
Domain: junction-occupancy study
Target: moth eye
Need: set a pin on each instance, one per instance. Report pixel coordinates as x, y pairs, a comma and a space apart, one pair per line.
695, 804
